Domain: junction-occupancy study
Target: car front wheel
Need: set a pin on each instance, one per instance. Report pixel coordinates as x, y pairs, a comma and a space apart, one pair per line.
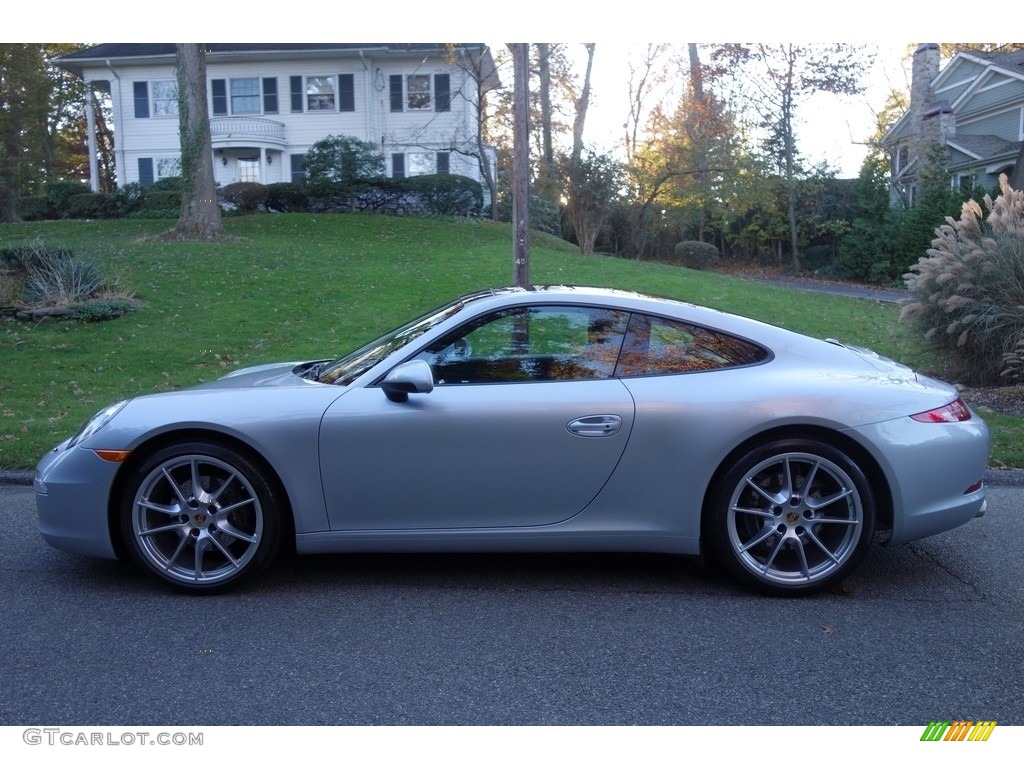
201, 517
792, 517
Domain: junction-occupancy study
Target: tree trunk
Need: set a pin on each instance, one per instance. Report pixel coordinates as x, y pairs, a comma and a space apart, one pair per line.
521, 165
582, 104
200, 215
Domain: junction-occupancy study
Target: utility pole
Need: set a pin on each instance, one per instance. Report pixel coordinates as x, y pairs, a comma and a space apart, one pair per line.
521, 165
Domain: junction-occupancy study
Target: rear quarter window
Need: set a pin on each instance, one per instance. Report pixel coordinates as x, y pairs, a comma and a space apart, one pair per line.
655, 346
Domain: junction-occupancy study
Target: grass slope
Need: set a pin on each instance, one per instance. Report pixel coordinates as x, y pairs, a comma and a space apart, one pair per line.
300, 286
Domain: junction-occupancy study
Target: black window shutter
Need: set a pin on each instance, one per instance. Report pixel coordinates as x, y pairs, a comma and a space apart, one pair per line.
442, 93
270, 94
146, 171
398, 165
396, 93
346, 93
298, 168
219, 91
443, 163
141, 99
296, 87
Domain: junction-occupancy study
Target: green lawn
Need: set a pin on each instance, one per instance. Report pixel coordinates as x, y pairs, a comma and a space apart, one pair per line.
303, 286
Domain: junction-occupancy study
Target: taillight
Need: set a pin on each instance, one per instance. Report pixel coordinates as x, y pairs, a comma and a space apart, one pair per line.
955, 411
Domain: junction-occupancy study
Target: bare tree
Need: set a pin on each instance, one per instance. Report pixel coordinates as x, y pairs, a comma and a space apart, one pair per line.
582, 104
777, 78
200, 215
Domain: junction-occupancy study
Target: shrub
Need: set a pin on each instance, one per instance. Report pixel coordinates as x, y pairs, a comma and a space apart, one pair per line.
92, 205
128, 198
56, 276
287, 197
340, 160
968, 292
160, 204
447, 195
696, 254
166, 184
33, 208
247, 195
59, 193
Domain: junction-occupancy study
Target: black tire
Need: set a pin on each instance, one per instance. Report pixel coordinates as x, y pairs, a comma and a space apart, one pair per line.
791, 517
201, 542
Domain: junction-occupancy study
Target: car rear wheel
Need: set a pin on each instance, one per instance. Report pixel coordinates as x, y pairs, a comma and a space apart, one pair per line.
792, 517
201, 517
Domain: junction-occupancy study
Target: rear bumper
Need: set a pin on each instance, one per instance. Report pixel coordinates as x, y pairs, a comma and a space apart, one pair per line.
935, 473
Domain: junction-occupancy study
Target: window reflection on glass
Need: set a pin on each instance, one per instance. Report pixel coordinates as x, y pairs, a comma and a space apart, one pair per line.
655, 346
245, 96
417, 90
165, 97
530, 344
319, 93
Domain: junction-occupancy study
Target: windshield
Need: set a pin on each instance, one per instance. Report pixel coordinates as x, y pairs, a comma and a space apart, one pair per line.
353, 365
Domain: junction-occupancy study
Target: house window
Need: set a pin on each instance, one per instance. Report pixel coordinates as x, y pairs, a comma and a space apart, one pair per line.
413, 93
417, 92
146, 171
167, 167
320, 94
398, 165
270, 95
245, 96
423, 163
965, 184
419, 163
902, 158
165, 97
298, 168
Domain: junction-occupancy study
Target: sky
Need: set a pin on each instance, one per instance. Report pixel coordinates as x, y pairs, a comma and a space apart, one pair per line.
833, 128
830, 128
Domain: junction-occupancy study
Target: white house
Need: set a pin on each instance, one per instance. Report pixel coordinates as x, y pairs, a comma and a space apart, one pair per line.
269, 103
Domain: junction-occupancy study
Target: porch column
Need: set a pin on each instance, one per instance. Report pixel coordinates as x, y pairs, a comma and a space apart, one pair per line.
90, 136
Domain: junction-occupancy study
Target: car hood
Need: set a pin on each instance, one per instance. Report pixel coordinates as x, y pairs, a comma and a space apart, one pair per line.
269, 375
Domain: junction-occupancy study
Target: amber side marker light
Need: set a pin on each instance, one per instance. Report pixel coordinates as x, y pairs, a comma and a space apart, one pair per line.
115, 456
947, 414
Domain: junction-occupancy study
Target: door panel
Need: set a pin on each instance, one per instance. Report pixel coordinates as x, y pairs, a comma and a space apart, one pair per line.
474, 455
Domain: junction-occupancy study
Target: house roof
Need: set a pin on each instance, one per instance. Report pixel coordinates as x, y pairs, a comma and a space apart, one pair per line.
983, 147
146, 53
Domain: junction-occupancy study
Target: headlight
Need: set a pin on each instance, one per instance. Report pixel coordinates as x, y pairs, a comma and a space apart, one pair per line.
96, 423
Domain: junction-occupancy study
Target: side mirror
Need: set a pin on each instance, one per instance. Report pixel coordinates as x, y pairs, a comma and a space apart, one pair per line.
413, 376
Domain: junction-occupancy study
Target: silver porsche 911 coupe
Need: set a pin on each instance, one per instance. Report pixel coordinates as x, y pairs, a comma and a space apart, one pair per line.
553, 419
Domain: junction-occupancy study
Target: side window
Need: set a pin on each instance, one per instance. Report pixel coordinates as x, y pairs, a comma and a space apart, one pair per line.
530, 344
655, 346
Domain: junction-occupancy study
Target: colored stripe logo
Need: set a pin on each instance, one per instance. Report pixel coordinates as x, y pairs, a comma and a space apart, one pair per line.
958, 730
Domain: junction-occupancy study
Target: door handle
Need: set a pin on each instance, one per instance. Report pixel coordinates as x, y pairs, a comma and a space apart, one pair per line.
595, 426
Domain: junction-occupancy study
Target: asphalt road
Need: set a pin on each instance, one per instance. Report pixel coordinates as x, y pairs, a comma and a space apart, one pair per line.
932, 630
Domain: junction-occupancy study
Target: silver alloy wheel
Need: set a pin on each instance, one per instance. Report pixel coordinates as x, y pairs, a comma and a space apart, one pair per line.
197, 520
795, 519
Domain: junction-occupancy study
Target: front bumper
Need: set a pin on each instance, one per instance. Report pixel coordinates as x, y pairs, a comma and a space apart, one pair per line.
72, 487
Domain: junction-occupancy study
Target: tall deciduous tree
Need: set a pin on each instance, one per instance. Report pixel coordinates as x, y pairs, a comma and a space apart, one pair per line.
200, 217
777, 78
23, 109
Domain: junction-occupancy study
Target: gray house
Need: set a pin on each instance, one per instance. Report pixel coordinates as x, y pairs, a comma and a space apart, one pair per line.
972, 109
